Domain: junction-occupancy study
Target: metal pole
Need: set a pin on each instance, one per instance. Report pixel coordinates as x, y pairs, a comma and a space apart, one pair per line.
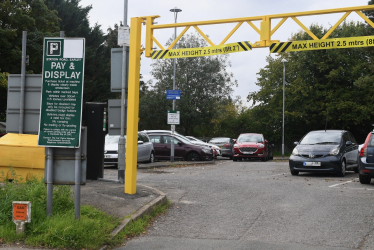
23, 77
175, 10
122, 140
78, 177
49, 181
284, 80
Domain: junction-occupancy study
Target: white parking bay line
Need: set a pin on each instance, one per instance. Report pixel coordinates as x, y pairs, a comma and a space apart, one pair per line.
340, 184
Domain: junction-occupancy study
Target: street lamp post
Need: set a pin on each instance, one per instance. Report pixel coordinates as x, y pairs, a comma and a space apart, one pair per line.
175, 10
284, 61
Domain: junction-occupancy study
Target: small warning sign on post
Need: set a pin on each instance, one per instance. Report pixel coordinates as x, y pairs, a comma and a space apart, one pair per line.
21, 214
173, 117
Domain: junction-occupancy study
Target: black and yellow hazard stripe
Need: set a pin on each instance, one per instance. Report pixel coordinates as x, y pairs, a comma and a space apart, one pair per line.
279, 47
202, 51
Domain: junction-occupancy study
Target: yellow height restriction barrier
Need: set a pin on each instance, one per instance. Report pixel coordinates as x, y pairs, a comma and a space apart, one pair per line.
202, 51
21, 158
337, 43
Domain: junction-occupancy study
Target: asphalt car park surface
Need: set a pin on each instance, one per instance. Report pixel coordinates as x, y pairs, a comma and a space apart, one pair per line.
258, 205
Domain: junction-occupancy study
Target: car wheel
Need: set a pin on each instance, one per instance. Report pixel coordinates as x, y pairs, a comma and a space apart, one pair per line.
356, 170
193, 156
364, 179
342, 169
265, 158
151, 158
234, 158
293, 172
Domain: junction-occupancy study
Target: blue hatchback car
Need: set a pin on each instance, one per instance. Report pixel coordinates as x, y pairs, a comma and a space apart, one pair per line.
366, 160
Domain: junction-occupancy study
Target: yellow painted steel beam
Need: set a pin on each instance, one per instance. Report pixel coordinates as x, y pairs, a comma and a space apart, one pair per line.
159, 44
149, 34
203, 35
133, 105
336, 25
265, 31
179, 37
254, 27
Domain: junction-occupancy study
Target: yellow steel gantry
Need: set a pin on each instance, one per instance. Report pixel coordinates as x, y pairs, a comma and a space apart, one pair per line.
265, 40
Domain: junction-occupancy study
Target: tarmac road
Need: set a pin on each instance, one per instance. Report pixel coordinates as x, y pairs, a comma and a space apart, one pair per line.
258, 205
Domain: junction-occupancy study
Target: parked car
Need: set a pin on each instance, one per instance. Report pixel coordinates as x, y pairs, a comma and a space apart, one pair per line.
225, 144
333, 151
216, 149
252, 146
183, 149
146, 152
366, 160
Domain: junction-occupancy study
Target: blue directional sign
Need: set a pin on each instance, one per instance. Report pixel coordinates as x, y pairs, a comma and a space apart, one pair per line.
173, 94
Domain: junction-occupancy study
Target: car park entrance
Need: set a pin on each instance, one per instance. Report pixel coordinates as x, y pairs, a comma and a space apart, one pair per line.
265, 32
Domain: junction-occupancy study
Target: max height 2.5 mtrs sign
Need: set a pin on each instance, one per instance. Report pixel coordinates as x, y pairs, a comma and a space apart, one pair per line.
62, 92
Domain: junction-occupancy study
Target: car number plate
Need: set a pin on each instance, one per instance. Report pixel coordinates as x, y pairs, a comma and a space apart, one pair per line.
314, 164
248, 153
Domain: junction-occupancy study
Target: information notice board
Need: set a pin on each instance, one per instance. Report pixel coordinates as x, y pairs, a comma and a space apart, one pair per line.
62, 92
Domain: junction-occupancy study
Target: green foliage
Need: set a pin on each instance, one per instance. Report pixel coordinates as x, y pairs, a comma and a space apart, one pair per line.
3, 94
59, 231
204, 83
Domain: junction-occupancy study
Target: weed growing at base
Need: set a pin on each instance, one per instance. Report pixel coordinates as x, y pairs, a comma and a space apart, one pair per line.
58, 231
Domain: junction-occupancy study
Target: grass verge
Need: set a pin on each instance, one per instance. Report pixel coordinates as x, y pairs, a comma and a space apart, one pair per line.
61, 230
139, 226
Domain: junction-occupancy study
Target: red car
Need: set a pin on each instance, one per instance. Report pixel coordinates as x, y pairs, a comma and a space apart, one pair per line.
252, 146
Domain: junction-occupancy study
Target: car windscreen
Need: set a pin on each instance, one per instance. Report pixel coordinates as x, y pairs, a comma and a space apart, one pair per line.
110, 139
322, 138
250, 138
219, 140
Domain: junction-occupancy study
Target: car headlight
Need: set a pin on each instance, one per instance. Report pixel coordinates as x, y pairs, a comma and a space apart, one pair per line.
207, 150
295, 151
236, 146
261, 145
335, 151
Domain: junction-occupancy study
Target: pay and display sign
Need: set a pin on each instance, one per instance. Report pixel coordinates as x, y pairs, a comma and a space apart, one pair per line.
62, 92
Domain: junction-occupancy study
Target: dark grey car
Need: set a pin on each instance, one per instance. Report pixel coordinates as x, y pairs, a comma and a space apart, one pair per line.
225, 144
333, 151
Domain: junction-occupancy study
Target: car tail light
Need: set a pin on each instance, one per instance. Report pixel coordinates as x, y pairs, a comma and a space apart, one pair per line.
363, 151
227, 145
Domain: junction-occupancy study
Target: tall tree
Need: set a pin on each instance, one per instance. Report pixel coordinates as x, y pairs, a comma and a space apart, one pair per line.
204, 82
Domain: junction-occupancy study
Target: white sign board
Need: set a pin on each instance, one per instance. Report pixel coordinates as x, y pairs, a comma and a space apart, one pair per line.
173, 117
124, 36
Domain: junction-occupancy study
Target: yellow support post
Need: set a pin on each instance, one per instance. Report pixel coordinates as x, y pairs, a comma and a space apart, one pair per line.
133, 105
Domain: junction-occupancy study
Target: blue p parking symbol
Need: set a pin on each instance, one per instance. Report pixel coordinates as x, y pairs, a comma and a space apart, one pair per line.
53, 48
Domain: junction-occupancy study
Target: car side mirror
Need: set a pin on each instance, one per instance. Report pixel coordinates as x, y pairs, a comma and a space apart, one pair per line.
348, 143
140, 142
180, 144
296, 143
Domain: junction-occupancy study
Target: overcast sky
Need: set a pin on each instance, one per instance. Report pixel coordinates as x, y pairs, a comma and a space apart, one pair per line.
245, 65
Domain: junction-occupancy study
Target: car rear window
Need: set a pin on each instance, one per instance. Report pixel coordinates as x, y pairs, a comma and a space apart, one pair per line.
220, 140
371, 141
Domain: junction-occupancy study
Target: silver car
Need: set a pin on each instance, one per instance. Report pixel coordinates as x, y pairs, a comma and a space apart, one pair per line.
146, 152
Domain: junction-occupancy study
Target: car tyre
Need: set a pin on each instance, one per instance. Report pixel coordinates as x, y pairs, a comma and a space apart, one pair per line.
293, 172
364, 179
151, 158
234, 158
356, 170
342, 169
193, 156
